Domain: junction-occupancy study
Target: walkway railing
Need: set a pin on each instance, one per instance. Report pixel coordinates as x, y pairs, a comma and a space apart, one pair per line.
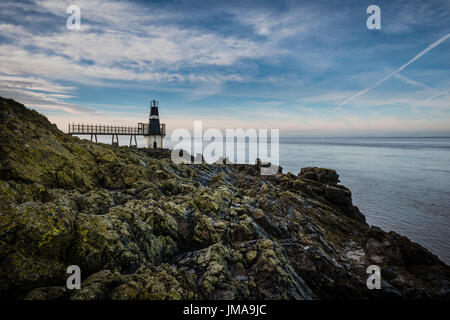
141, 129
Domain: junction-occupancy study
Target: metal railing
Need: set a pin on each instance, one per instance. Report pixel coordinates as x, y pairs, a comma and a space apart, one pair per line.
144, 127
141, 129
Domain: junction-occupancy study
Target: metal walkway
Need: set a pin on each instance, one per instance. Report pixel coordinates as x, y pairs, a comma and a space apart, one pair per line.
115, 131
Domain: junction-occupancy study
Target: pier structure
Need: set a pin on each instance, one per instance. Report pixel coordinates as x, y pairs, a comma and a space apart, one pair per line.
154, 132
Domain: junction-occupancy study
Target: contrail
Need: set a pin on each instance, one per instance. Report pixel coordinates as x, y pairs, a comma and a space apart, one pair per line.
431, 46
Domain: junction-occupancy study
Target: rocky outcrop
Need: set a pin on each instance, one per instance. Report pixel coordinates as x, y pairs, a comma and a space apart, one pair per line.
324, 182
321, 175
142, 227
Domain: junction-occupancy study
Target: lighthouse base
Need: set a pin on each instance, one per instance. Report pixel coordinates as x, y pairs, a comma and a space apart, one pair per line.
154, 141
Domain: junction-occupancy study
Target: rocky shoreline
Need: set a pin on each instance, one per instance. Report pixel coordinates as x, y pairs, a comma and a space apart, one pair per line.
141, 227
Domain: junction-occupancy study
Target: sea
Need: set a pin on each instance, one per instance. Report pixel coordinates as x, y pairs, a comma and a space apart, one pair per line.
399, 184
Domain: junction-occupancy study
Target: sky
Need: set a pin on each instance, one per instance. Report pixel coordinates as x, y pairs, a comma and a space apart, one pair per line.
308, 68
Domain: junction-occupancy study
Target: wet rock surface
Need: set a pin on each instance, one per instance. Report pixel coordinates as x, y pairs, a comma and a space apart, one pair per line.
142, 227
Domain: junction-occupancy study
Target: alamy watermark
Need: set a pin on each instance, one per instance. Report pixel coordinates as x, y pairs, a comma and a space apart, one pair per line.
73, 21
74, 280
374, 279
236, 146
374, 20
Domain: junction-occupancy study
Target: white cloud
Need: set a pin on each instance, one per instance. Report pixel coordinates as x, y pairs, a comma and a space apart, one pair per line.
32, 83
145, 47
42, 100
119, 41
300, 21
40, 93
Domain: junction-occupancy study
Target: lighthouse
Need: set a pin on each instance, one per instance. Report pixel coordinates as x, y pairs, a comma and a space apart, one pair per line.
156, 131
153, 131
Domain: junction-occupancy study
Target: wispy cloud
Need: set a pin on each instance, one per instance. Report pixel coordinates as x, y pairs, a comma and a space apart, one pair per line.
420, 54
248, 63
44, 101
41, 93
410, 81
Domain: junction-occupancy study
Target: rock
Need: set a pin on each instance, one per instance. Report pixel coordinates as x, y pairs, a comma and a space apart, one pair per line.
127, 291
47, 293
324, 183
320, 175
338, 195
204, 231
142, 227
97, 286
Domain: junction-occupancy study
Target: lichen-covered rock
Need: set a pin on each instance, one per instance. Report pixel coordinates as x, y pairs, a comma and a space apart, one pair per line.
204, 232
142, 227
108, 241
97, 286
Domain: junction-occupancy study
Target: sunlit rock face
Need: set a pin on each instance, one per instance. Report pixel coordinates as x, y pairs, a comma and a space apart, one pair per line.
141, 227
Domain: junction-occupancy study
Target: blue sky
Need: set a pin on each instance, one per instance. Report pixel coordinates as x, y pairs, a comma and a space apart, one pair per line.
248, 64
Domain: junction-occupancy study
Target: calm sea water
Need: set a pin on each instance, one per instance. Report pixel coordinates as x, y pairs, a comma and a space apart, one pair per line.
400, 184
